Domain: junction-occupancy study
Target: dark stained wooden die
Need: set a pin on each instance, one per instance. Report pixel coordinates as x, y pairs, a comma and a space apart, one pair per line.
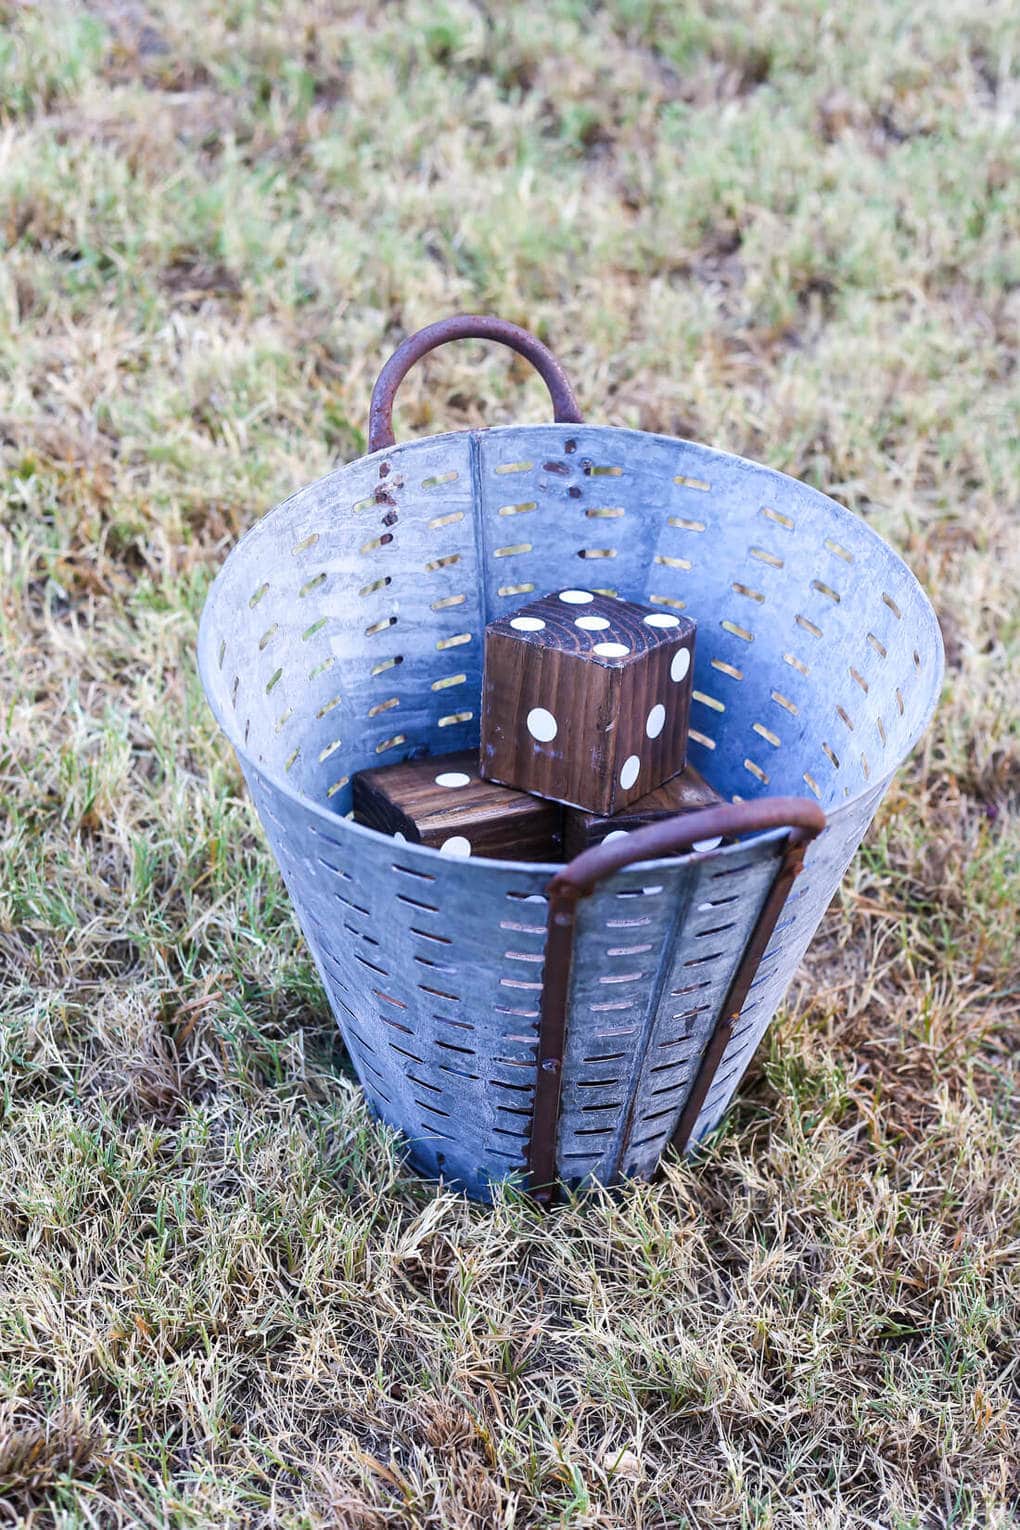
444, 803
688, 792
585, 699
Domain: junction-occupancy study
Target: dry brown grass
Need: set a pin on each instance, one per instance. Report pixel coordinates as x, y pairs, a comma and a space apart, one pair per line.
791, 232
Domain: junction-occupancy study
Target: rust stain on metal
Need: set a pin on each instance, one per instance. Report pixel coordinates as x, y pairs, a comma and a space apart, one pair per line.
552, 1037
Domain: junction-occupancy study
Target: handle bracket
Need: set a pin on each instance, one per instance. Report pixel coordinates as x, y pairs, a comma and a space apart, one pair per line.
579, 878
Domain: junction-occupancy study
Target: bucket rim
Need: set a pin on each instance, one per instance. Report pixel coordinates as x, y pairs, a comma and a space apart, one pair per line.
204, 648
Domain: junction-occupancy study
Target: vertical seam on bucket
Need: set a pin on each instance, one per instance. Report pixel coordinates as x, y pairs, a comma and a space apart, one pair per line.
666, 956
481, 540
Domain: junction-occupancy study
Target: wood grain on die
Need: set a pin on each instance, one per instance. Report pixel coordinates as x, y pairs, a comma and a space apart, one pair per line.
443, 802
687, 792
586, 699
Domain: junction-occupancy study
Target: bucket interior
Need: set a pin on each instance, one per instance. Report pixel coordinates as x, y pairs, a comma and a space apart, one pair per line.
346, 629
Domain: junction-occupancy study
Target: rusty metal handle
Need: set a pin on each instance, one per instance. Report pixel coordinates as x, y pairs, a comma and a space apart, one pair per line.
672, 835
465, 326
800, 815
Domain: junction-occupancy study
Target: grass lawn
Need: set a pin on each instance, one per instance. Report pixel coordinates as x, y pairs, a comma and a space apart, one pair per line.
790, 230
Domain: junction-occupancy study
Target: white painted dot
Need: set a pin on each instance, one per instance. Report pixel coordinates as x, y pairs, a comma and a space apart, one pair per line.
629, 772
655, 721
527, 623
401, 839
680, 665
661, 619
577, 597
455, 845
611, 650
542, 725
453, 778
591, 623
615, 834
707, 844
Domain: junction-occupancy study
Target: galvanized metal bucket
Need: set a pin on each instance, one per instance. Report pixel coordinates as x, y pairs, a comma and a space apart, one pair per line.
561, 1023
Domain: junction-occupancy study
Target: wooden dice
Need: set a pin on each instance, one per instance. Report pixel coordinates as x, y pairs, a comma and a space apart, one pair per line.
444, 803
585, 699
688, 792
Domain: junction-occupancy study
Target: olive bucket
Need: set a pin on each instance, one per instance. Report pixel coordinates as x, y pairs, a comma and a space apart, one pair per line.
550, 1022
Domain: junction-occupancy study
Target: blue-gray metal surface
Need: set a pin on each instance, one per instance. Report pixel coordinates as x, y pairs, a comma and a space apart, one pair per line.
345, 630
